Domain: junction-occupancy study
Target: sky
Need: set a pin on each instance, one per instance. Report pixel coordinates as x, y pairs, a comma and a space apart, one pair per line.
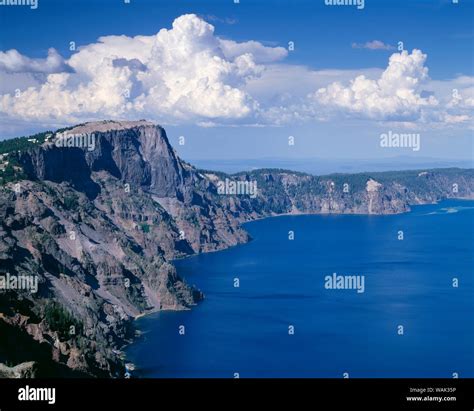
225, 76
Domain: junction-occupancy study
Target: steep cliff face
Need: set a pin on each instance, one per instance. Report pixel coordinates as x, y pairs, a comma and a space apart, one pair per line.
100, 209
283, 191
137, 159
134, 152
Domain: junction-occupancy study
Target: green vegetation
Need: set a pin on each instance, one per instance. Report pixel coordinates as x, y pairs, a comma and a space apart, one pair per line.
419, 181
62, 321
145, 228
22, 143
12, 172
193, 220
71, 202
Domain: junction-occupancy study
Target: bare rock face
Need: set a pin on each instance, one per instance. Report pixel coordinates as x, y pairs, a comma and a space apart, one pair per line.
288, 192
23, 370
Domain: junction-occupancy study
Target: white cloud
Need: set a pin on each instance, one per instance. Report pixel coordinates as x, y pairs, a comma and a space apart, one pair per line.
450, 119
462, 93
373, 45
12, 61
396, 95
185, 73
260, 53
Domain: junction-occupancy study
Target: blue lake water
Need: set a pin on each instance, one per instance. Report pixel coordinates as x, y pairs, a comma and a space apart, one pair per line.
408, 282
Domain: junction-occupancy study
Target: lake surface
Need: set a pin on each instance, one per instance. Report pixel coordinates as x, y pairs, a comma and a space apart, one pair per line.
247, 329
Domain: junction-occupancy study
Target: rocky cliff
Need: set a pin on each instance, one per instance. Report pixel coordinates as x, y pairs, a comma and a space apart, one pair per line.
97, 211
288, 192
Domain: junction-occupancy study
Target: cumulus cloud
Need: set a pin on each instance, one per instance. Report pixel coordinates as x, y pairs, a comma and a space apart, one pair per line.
189, 74
182, 73
373, 45
462, 94
261, 53
12, 61
396, 95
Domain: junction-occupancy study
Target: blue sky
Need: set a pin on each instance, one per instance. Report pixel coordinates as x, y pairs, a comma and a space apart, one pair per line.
323, 35
288, 93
